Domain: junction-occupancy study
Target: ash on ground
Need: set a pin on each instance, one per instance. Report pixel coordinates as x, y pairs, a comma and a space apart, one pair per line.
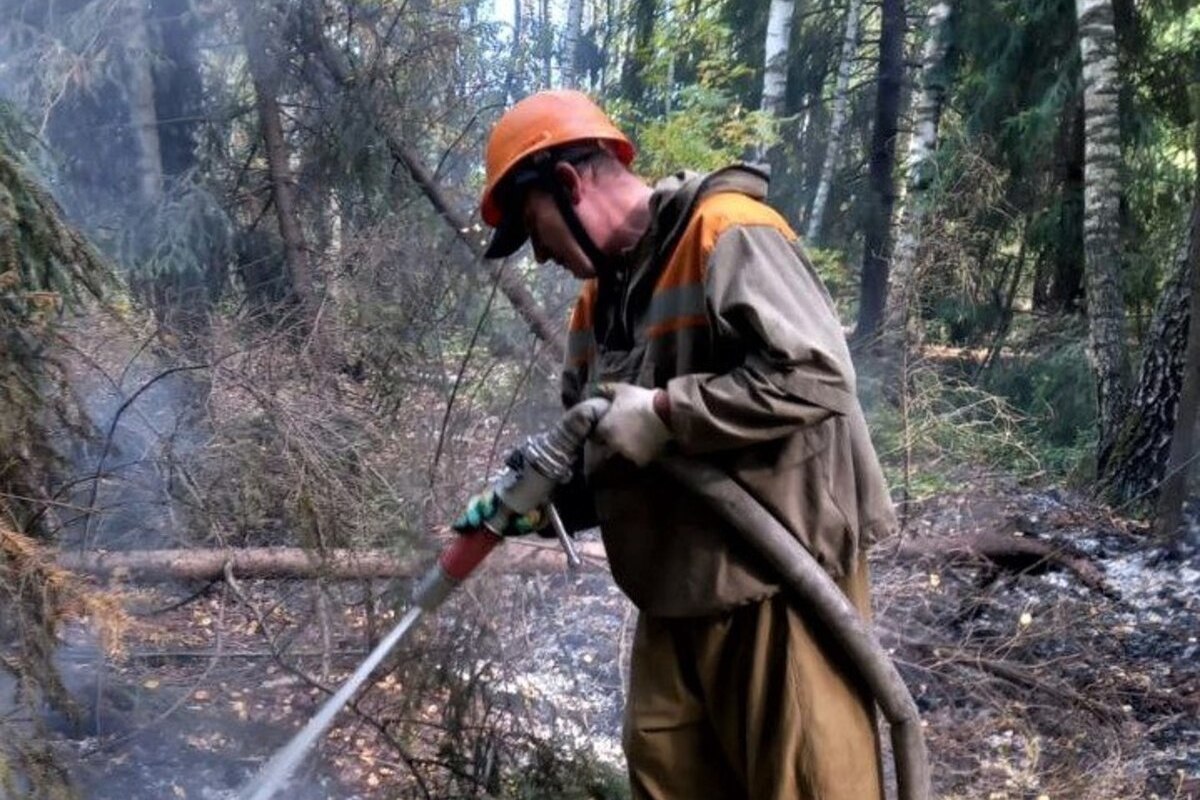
1033, 681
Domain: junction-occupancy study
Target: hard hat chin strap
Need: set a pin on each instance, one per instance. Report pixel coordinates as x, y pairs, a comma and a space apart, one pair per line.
567, 209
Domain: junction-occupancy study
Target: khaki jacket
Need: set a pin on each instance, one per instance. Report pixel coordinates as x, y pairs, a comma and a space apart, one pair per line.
719, 305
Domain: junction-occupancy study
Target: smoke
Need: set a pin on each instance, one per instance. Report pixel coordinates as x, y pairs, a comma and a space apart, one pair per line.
129, 476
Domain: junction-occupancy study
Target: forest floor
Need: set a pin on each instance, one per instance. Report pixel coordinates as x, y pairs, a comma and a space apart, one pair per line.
1073, 676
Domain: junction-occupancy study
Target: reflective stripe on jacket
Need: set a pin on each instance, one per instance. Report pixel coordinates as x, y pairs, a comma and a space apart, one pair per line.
719, 305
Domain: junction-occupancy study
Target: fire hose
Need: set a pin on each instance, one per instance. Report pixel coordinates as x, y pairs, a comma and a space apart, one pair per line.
527, 482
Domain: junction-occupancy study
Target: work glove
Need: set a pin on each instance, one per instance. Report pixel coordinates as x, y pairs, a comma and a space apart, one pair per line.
631, 427
483, 505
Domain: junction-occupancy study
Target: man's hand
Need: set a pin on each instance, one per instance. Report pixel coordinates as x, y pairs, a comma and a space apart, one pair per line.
634, 425
483, 505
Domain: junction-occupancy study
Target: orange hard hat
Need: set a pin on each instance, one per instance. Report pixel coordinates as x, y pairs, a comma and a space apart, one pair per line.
541, 122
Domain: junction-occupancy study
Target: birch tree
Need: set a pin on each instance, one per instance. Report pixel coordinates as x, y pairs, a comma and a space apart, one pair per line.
922, 146
779, 32
1101, 224
775, 64
1183, 452
838, 122
1142, 442
570, 44
546, 32
1181, 459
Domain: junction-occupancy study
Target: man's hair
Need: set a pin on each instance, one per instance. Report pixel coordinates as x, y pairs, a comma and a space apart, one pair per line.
600, 160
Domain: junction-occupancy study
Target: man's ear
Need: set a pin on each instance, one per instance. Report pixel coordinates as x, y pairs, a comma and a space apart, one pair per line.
570, 179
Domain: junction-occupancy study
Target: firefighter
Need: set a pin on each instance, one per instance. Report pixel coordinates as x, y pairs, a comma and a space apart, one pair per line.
703, 321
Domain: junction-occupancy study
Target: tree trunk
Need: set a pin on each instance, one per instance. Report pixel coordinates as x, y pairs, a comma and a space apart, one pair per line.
1101, 203
1182, 455
466, 231
570, 45
261, 58
775, 61
882, 196
1142, 443
297, 562
546, 26
1182, 459
921, 150
1067, 280
837, 123
183, 299
514, 77
633, 84
143, 118
178, 88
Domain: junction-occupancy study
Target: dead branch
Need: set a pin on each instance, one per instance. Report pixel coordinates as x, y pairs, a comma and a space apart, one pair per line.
1013, 673
1012, 553
469, 234
524, 557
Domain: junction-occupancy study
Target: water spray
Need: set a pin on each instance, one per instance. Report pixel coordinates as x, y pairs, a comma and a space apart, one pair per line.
527, 481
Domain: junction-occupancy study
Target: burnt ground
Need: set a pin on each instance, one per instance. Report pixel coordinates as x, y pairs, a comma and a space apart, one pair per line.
1036, 680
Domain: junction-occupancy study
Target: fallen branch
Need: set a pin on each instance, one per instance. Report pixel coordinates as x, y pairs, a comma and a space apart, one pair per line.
523, 556
1016, 674
1013, 553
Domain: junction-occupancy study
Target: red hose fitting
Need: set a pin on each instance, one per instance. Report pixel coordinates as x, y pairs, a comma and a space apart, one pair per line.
466, 552
457, 561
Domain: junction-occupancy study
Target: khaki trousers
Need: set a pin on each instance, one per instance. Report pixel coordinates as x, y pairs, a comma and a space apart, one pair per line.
749, 704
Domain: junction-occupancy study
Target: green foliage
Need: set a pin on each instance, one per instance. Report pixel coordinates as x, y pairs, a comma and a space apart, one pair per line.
1019, 64
578, 775
1031, 412
951, 424
692, 117
185, 234
959, 320
45, 268
706, 131
835, 272
1055, 391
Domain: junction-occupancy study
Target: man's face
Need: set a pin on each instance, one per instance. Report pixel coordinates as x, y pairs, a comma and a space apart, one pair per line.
550, 237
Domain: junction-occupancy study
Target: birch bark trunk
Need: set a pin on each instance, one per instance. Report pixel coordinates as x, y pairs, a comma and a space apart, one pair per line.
779, 32
570, 44
922, 146
1142, 442
1101, 225
1183, 451
837, 123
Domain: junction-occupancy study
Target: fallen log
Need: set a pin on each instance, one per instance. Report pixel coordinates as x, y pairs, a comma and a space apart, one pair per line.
519, 556
1011, 553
